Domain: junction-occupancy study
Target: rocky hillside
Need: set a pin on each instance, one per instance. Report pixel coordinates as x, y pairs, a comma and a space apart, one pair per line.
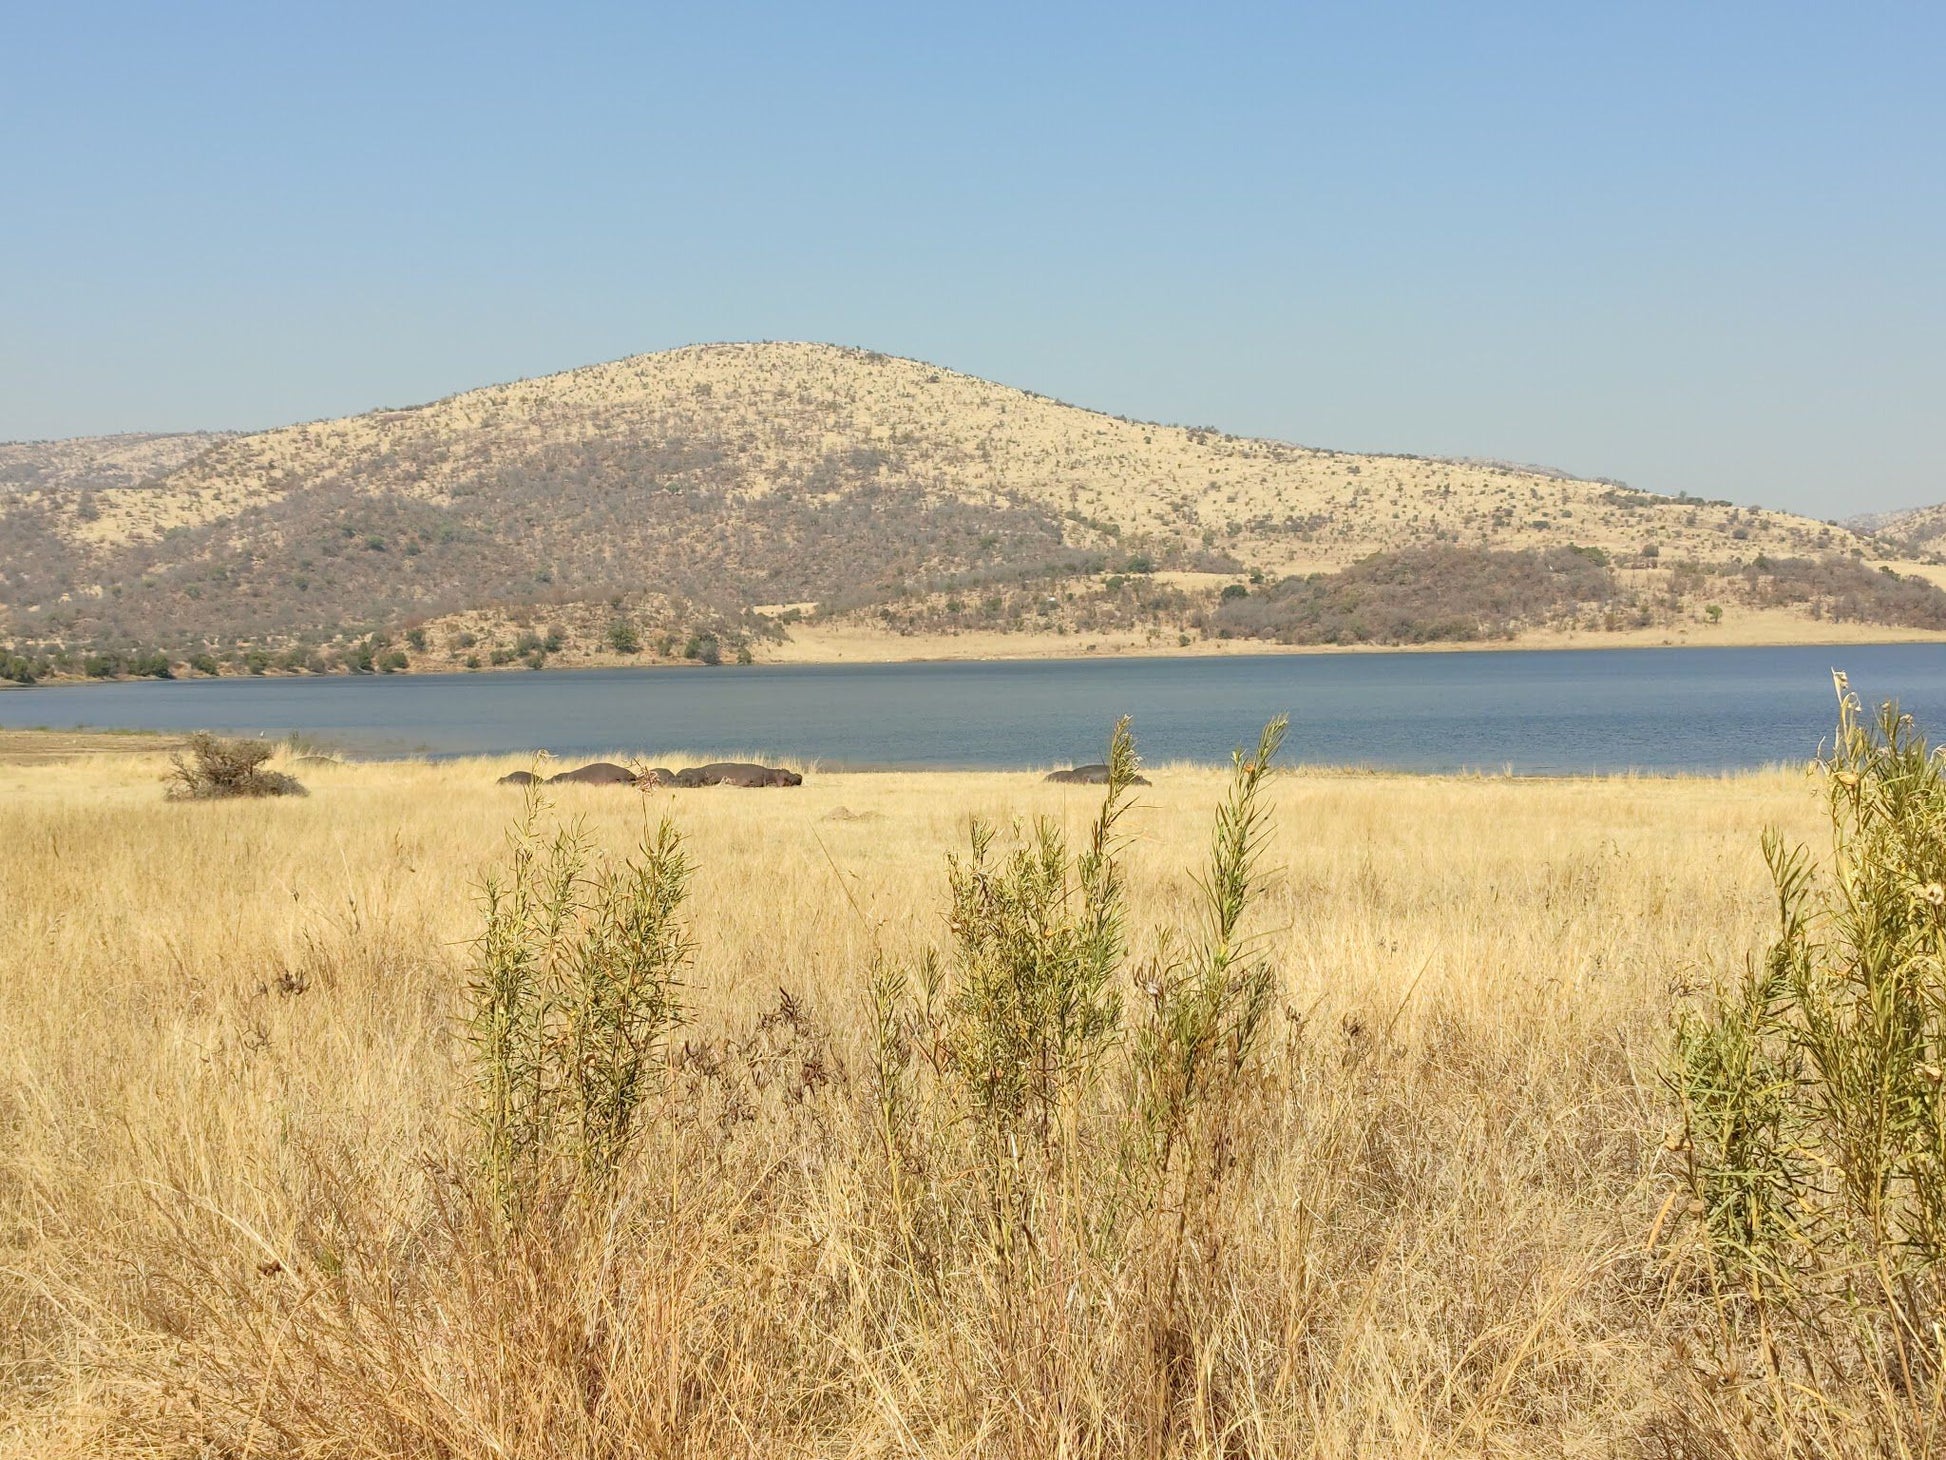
700, 485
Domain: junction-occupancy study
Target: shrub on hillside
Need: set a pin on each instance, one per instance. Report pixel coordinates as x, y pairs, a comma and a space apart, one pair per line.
1844, 589
1420, 596
218, 769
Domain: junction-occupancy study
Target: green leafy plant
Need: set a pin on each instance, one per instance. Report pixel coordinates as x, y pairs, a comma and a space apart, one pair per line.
1069, 1157
576, 988
1814, 1089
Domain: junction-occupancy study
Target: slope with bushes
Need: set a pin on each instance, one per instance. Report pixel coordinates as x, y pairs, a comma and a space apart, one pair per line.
725, 478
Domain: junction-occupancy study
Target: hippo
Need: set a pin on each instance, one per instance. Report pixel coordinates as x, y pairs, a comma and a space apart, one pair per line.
1090, 775
656, 775
736, 773
518, 778
600, 773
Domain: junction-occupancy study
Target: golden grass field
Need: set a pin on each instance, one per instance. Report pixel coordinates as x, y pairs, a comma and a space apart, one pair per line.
232, 1130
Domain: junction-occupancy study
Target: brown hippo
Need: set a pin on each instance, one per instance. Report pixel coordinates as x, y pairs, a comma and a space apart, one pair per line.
599, 773
518, 778
1090, 775
736, 773
657, 775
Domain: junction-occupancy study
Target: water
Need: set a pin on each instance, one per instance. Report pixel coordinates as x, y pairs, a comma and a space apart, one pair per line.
1568, 712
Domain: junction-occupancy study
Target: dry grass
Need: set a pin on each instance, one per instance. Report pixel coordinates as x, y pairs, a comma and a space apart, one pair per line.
235, 1215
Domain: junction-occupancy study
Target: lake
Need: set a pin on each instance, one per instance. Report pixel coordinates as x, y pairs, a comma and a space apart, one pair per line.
1533, 712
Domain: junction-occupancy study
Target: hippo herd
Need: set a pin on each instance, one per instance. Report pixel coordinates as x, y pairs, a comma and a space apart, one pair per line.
1089, 775
737, 773
718, 773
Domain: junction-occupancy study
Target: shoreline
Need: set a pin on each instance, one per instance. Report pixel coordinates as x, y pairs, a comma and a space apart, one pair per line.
1063, 653
31, 747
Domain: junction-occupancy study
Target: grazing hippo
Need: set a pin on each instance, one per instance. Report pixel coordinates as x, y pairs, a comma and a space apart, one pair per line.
518, 778
736, 773
1090, 775
600, 773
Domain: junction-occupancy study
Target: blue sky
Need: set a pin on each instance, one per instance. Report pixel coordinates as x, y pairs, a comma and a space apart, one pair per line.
1697, 247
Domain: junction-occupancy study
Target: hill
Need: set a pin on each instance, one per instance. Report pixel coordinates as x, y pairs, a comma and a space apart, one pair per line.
79, 466
744, 493
1917, 532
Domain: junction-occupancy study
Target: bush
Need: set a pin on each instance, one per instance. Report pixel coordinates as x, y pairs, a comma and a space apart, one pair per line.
19, 669
623, 638
1814, 1099
217, 769
1063, 1170
575, 991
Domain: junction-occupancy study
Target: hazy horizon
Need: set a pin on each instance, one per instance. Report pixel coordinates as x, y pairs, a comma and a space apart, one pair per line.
1693, 251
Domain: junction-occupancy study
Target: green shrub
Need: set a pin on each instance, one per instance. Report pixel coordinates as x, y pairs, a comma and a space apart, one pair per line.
576, 988
19, 669
623, 638
1814, 1090
1064, 1133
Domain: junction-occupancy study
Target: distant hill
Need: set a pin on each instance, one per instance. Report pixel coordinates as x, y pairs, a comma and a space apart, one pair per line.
81, 465
1916, 531
696, 493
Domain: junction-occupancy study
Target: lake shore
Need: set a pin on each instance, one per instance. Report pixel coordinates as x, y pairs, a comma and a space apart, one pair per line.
843, 644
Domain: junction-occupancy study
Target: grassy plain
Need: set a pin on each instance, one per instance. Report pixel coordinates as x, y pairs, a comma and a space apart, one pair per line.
233, 1143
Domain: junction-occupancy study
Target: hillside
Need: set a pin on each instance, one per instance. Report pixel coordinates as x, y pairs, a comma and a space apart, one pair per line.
72, 469
670, 497
1917, 532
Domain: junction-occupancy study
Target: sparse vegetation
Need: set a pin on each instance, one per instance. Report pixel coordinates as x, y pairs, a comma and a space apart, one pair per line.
1339, 1135
704, 480
213, 769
